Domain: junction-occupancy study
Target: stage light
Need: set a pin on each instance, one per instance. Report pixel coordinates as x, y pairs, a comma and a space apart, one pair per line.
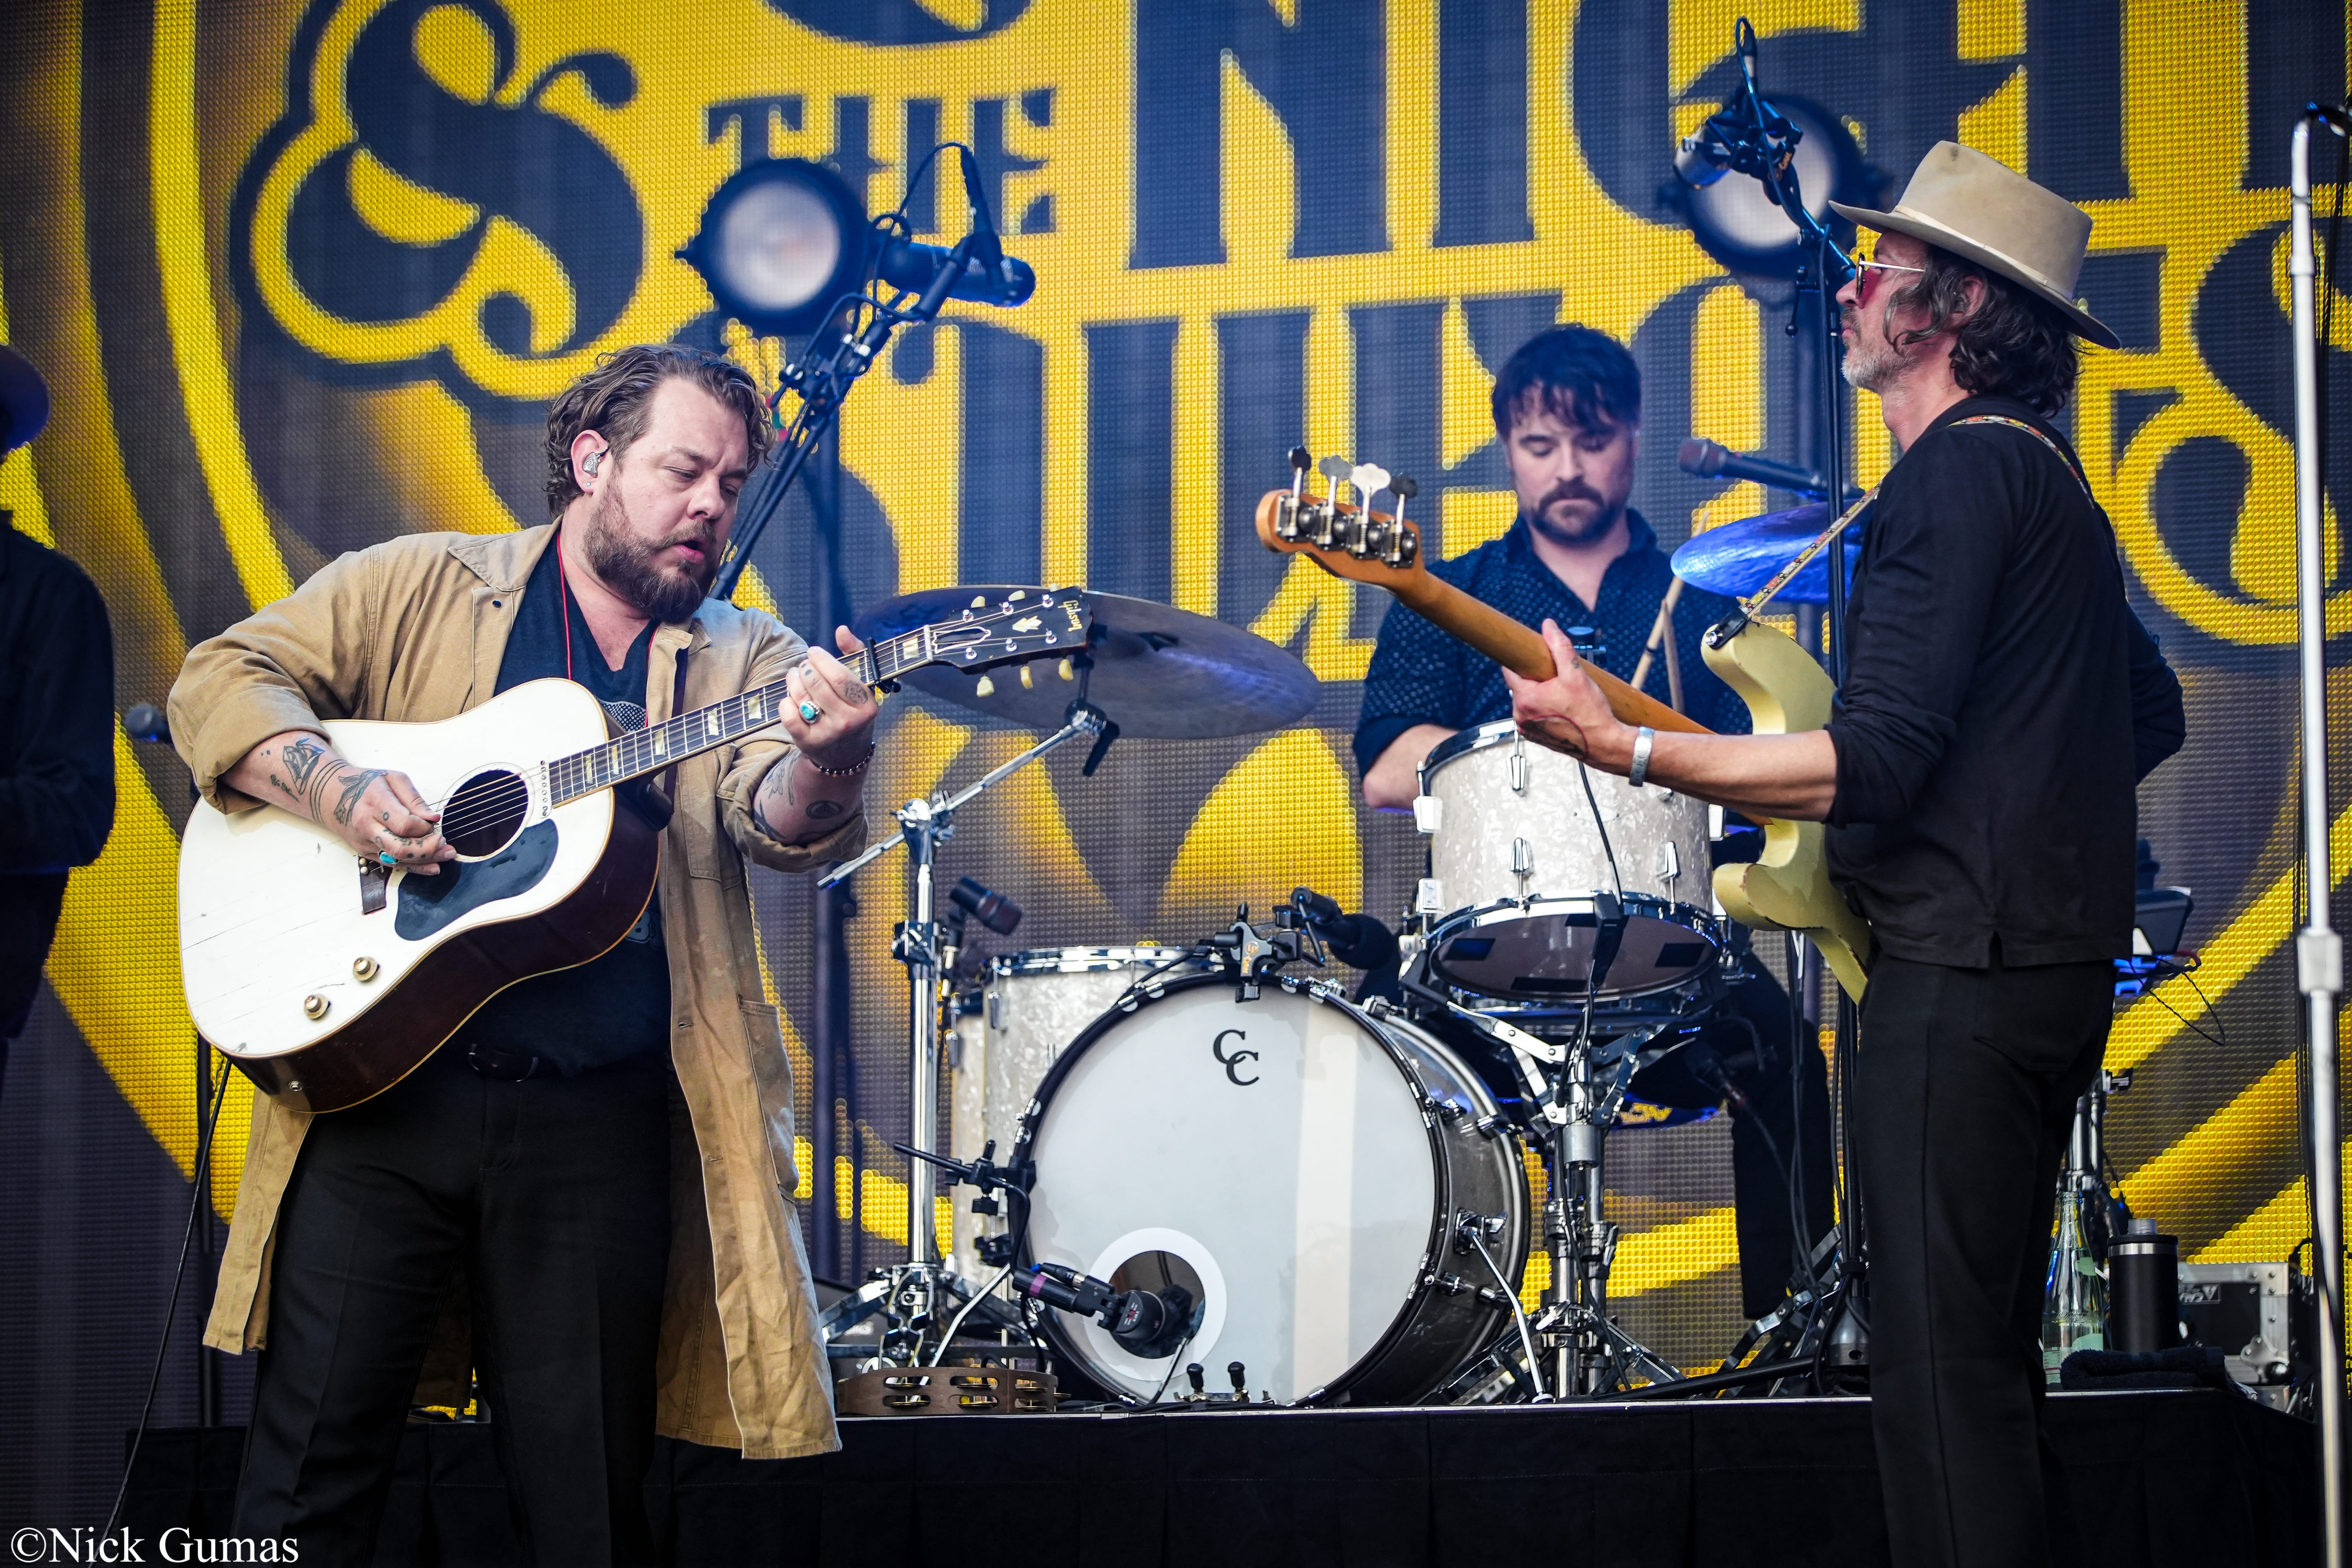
782, 241
1740, 224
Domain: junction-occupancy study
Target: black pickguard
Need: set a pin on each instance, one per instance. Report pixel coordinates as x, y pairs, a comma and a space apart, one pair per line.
428, 904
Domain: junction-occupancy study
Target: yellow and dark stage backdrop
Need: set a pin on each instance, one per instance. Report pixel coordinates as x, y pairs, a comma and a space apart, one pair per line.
303, 276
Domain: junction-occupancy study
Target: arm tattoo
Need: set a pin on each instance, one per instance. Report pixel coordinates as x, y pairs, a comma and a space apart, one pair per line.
355, 784
819, 810
301, 757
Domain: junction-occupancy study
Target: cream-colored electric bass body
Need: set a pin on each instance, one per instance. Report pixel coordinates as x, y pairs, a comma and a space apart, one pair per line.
1787, 888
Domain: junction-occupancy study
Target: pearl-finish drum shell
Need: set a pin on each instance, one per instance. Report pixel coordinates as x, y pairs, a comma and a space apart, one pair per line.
1036, 1003
1515, 857
1307, 1162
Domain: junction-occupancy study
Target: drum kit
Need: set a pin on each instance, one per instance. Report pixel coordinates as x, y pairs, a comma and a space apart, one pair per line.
1215, 1155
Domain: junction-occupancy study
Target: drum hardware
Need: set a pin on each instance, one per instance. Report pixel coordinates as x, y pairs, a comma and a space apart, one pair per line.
1295, 1277
914, 1296
1155, 671
1569, 1110
1198, 1397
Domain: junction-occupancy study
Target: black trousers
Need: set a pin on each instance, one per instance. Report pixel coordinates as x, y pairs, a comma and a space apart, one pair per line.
1964, 1086
551, 1196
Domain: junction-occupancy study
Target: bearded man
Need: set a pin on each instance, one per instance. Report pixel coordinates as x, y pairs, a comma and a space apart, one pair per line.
2001, 703
1568, 415
595, 1172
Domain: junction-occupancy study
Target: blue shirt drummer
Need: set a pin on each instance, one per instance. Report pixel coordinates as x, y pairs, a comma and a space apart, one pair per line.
1421, 675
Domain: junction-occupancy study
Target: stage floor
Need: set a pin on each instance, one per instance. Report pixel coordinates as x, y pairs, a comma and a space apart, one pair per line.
2196, 1479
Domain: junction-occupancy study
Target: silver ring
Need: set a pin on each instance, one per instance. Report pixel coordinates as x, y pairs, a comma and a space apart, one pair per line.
386, 857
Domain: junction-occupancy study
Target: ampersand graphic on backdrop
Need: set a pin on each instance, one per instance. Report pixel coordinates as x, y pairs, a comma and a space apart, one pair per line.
421, 203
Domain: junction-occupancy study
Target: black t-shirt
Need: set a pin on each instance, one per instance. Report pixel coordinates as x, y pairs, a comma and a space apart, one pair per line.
617, 1005
2002, 701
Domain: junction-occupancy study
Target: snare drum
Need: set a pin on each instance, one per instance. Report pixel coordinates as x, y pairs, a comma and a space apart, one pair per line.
1034, 1004
1300, 1166
1517, 854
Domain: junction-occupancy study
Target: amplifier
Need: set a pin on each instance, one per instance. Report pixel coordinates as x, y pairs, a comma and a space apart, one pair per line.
2242, 1311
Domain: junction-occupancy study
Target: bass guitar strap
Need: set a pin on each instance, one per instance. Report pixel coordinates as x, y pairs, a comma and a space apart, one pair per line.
1754, 605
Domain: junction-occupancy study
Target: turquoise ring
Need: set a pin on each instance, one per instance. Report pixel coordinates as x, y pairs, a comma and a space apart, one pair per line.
385, 857
811, 712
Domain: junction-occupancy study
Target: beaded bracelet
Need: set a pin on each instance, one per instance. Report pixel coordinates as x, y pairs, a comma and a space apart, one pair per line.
850, 771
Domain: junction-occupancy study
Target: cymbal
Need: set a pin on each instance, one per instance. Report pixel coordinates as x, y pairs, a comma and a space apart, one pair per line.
1740, 557
1159, 671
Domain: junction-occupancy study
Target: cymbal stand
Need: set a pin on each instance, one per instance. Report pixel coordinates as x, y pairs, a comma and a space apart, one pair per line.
920, 1296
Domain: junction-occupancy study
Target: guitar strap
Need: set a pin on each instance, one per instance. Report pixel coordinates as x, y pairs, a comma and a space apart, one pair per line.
1752, 607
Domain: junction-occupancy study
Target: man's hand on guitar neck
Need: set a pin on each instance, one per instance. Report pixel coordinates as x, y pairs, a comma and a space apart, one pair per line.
375, 811
1793, 778
805, 797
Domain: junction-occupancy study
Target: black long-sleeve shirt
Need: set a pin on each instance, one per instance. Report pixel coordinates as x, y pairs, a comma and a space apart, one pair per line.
2001, 703
57, 711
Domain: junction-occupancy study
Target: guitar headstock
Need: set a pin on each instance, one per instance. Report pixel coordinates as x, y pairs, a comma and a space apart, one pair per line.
1347, 538
1025, 624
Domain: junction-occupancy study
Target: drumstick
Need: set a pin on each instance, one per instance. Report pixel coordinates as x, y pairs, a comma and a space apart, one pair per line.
1661, 630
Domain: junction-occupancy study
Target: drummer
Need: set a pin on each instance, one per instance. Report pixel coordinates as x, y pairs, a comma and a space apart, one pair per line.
1568, 411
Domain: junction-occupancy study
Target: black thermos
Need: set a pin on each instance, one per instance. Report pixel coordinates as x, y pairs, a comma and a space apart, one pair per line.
2143, 1290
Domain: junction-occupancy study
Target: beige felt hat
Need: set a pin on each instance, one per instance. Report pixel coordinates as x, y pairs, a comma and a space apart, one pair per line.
1977, 207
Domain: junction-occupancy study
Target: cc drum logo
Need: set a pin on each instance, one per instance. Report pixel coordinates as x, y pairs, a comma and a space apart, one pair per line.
1231, 1063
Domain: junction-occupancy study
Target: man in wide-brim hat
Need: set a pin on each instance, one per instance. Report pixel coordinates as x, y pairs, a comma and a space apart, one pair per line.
2001, 704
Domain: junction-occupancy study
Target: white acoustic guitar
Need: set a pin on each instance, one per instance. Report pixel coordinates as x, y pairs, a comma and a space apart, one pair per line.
327, 979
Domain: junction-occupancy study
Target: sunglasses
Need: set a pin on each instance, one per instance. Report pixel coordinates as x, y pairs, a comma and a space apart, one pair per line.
1865, 271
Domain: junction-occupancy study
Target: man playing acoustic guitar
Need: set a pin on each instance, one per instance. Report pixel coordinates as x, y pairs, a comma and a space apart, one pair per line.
597, 1170
2001, 703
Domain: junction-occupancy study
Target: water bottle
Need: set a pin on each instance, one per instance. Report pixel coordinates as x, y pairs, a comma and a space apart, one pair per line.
2074, 1309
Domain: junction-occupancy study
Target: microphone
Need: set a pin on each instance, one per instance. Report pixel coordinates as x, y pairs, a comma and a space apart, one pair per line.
1711, 459
1357, 941
1148, 1323
989, 906
988, 277
910, 264
145, 722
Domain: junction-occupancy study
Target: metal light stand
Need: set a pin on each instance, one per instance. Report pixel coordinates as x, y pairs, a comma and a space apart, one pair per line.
2318, 951
918, 1295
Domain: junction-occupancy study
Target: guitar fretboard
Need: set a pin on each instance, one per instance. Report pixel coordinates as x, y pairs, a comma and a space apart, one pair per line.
651, 749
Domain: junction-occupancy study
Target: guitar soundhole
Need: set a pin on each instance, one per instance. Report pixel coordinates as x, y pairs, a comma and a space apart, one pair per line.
485, 813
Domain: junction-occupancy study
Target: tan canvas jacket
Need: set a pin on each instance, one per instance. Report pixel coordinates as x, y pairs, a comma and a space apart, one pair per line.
415, 629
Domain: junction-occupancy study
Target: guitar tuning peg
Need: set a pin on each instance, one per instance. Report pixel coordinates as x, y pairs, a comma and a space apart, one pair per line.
1335, 467
987, 687
1028, 682
1301, 458
1403, 488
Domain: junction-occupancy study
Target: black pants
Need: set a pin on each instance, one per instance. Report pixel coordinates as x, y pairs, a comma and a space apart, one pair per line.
552, 1196
29, 919
1965, 1086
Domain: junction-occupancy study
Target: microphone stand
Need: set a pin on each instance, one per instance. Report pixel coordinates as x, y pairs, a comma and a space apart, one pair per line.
823, 385
1765, 146
916, 1297
2319, 949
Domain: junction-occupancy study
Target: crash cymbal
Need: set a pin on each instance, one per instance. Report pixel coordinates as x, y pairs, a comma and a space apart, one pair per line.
1740, 557
1158, 671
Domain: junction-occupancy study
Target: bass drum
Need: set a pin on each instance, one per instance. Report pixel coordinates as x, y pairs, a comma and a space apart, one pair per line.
1297, 1163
